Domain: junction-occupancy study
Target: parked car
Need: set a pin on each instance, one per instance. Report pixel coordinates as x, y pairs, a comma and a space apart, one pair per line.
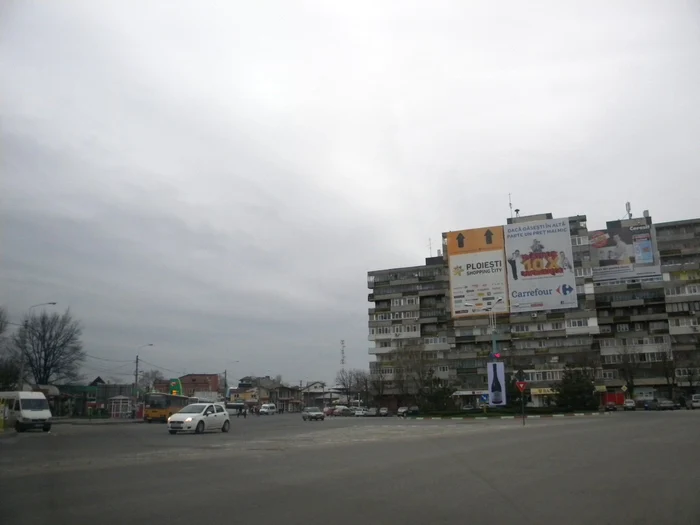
383, 412
328, 411
360, 412
413, 411
200, 417
610, 406
343, 411
629, 404
312, 414
664, 404
695, 401
372, 412
401, 412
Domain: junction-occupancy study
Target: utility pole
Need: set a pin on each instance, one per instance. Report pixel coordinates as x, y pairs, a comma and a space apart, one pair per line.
136, 375
22, 352
225, 384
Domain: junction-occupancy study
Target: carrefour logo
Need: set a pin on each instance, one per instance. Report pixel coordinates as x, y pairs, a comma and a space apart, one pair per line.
565, 289
531, 293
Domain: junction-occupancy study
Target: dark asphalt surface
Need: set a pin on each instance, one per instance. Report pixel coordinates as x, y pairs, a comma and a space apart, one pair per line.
629, 468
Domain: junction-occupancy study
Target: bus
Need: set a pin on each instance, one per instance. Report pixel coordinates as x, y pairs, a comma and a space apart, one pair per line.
159, 407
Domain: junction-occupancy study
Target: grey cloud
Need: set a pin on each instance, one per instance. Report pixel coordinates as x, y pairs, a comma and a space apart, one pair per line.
219, 181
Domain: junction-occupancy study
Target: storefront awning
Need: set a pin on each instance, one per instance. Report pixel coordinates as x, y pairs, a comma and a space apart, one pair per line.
470, 393
542, 392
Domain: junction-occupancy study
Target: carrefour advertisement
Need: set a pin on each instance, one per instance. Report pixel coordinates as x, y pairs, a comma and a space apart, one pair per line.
540, 266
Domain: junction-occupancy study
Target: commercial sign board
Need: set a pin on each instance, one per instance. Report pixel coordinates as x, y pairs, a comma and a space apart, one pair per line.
540, 266
477, 271
625, 250
497, 384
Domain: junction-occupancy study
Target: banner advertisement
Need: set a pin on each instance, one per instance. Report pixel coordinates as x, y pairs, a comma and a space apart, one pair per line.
477, 271
625, 251
497, 384
540, 266
477, 282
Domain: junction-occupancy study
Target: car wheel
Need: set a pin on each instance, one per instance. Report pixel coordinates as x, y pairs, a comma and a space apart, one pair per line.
200, 428
173, 432
47, 428
226, 426
18, 427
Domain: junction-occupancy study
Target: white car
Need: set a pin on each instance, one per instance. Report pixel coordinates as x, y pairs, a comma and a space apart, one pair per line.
360, 412
199, 418
629, 404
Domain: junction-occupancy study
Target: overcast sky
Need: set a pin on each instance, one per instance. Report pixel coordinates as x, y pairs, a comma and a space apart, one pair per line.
217, 178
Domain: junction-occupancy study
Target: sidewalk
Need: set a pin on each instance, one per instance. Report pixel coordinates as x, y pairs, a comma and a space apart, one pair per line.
482, 418
96, 421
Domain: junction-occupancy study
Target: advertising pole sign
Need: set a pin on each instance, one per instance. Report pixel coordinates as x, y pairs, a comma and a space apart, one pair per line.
477, 271
540, 266
497, 384
625, 250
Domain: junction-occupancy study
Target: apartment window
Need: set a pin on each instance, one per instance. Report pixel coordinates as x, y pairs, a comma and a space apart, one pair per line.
443, 368
541, 327
434, 340
583, 272
684, 321
623, 327
576, 323
411, 300
676, 290
692, 289
658, 325
608, 343
579, 240
608, 374
557, 326
580, 288
605, 329
520, 328
638, 327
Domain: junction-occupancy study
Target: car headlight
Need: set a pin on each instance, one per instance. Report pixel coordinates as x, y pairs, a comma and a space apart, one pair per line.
188, 420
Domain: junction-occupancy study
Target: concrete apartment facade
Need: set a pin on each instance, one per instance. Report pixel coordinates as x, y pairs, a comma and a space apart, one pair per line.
640, 331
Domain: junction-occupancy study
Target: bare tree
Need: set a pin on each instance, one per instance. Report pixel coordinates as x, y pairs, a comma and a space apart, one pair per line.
148, 377
346, 381
693, 377
9, 369
416, 372
628, 367
668, 369
378, 384
49, 347
362, 383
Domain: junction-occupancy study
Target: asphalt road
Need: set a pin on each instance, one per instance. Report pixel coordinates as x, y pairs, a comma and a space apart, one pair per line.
628, 468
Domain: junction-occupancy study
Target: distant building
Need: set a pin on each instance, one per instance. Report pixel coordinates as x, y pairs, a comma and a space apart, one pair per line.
192, 383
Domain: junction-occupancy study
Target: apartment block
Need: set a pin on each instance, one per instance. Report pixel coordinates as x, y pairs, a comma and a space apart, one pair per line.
636, 323
410, 312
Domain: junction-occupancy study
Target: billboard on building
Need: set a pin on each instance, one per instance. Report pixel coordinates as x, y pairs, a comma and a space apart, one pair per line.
477, 271
540, 266
625, 250
497, 384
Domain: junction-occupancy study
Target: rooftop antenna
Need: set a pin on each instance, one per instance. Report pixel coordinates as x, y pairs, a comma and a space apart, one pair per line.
342, 353
430, 246
628, 209
510, 205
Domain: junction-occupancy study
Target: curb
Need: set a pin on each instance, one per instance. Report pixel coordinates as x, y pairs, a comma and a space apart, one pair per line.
96, 422
483, 418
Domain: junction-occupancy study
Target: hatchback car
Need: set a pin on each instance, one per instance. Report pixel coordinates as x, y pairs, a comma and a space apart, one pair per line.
200, 417
629, 405
312, 414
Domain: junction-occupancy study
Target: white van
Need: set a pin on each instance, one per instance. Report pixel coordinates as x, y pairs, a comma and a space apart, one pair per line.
25, 410
268, 409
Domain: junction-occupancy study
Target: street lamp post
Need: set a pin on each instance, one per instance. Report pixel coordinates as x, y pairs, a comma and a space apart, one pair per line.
492, 324
23, 350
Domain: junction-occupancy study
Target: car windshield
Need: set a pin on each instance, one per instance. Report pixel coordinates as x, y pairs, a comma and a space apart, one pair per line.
193, 409
34, 404
312, 409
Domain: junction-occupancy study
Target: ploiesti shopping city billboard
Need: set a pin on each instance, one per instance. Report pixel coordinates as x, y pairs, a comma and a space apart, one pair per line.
540, 266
